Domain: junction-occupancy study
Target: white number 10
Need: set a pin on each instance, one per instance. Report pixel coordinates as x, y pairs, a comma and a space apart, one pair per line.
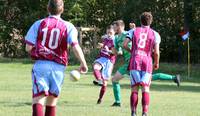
53, 39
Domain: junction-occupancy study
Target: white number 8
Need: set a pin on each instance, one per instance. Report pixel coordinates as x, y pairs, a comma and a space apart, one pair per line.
142, 40
53, 39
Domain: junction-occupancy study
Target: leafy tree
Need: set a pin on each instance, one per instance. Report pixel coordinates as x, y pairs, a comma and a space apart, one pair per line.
16, 17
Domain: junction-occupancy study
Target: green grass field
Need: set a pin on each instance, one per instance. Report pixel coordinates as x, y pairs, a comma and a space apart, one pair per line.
79, 99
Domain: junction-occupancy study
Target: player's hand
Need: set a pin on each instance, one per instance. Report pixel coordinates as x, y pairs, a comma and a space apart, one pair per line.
83, 68
100, 45
106, 48
156, 66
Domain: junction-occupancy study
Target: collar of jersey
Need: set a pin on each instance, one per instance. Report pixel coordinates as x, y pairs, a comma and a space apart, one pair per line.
55, 16
145, 26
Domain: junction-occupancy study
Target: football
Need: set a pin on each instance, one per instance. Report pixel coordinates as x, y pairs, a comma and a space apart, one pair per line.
75, 75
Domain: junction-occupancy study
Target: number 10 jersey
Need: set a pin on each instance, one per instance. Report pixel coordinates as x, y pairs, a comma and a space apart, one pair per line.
50, 37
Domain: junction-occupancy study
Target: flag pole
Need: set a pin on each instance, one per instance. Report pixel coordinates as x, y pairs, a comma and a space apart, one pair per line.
189, 66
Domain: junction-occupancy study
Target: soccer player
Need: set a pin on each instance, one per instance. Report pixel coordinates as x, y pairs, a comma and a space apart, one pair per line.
145, 41
47, 42
132, 25
119, 39
103, 66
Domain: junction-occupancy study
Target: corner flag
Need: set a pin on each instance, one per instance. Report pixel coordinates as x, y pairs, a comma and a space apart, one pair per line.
185, 35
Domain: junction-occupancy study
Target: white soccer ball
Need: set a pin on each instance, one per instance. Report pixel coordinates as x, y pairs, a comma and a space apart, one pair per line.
75, 75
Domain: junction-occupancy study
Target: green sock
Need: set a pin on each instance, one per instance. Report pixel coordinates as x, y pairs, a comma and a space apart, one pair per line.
162, 76
117, 92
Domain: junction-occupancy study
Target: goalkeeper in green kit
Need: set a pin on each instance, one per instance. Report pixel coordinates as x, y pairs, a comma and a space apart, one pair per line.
119, 39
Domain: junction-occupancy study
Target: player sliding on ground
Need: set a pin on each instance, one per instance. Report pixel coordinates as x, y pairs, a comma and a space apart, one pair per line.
46, 42
144, 41
103, 66
122, 70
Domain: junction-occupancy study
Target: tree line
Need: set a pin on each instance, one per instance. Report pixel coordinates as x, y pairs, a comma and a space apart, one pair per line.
170, 17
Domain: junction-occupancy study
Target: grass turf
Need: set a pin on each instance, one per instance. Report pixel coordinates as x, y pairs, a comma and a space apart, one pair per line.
79, 99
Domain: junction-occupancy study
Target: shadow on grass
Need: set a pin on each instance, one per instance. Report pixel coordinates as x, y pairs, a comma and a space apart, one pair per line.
72, 104
182, 88
15, 104
160, 87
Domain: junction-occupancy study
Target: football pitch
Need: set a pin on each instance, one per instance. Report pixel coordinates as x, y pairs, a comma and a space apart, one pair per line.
79, 99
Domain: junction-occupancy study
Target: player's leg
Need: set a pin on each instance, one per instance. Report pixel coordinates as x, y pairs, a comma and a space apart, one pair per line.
135, 82
117, 88
162, 76
145, 100
102, 91
145, 82
37, 105
56, 79
51, 105
40, 87
97, 67
134, 100
106, 74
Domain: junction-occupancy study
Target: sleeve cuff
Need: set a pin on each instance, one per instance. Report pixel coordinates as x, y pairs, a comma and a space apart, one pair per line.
128, 37
29, 43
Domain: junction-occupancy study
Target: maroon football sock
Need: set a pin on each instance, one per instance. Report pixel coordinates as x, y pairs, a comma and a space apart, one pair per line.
145, 102
134, 101
50, 111
102, 92
97, 74
37, 110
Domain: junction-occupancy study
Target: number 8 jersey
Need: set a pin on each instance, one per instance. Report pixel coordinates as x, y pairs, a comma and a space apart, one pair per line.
50, 37
143, 41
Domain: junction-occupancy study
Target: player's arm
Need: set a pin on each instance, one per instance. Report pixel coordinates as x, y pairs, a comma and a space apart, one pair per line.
125, 44
156, 56
73, 41
114, 51
79, 55
28, 48
128, 39
100, 45
31, 36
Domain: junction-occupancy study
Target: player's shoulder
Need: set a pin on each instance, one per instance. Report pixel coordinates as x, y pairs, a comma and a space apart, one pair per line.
105, 36
130, 31
156, 33
68, 24
37, 22
157, 36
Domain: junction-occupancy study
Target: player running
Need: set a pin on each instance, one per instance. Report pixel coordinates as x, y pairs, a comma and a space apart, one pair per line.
103, 66
47, 42
145, 41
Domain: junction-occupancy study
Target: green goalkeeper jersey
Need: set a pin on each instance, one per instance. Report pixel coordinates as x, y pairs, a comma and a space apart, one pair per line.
119, 40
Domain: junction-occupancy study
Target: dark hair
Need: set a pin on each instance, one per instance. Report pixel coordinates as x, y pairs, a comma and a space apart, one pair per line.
55, 7
132, 21
146, 18
119, 23
110, 27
